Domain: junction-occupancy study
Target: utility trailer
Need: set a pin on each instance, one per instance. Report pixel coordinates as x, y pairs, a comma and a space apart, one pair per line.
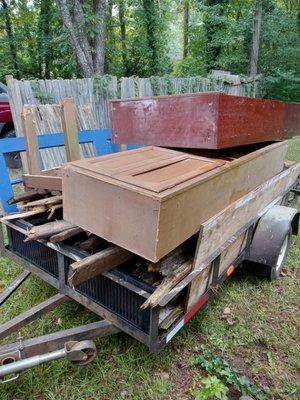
254, 231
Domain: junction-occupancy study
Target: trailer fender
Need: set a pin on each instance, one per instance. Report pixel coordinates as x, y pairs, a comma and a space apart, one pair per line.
272, 229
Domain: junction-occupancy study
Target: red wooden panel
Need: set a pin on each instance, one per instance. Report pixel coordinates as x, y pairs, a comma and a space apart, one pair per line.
209, 120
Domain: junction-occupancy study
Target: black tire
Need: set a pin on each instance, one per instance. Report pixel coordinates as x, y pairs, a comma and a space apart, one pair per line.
272, 272
12, 160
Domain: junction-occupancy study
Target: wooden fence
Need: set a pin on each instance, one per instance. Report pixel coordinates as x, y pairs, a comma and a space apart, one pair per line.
92, 95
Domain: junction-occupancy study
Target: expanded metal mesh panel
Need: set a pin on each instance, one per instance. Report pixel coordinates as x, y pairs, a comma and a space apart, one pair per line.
34, 252
102, 290
114, 297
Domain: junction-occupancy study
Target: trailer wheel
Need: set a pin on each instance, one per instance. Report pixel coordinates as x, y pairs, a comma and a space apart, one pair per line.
272, 272
271, 241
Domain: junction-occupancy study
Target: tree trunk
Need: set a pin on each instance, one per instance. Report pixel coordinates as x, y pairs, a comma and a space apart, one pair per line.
89, 53
186, 11
149, 10
83, 63
99, 60
256, 38
123, 35
44, 40
9, 32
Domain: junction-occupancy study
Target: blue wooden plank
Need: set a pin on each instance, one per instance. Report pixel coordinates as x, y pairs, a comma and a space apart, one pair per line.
99, 138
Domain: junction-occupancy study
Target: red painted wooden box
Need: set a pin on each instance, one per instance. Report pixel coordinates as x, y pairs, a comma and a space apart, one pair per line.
208, 120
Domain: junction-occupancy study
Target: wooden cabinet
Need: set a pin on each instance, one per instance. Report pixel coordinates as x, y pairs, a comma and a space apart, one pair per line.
152, 199
210, 120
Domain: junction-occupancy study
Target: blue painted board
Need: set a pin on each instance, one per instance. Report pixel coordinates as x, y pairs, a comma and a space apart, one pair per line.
100, 138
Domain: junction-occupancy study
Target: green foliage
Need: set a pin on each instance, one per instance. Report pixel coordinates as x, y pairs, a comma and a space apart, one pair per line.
103, 85
215, 365
219, 37
212, 388
189, 66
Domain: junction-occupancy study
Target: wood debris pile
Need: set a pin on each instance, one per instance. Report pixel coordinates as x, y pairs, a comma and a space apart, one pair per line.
44, 211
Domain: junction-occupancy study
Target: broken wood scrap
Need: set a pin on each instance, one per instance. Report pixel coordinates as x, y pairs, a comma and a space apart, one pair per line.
64, 235
171, 318
23, 214
167, 284
26, 196
174, 259
48, 229
97, 263
91, 243
46, 201
53, 209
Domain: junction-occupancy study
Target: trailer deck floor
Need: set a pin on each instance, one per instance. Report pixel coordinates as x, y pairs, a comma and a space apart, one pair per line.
124, 369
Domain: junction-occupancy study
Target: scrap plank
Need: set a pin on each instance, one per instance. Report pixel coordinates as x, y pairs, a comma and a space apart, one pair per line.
32, 148
70, 129
97, 263
48, 229
220, 228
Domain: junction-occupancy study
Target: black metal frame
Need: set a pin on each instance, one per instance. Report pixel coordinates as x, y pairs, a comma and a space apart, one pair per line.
153, 339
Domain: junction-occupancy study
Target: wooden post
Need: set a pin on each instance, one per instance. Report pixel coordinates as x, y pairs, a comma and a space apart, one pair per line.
70, 129
32, 148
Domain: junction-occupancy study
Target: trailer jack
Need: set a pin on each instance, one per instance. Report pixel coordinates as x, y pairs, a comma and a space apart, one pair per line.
79, 353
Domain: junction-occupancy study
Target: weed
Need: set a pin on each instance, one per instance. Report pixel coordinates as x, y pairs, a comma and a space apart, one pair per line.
215, 365
211, 388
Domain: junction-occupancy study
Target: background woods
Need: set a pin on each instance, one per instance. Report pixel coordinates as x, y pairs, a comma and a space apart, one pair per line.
76, 38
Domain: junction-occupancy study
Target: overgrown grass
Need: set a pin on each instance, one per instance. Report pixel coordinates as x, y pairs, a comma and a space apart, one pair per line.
262, 343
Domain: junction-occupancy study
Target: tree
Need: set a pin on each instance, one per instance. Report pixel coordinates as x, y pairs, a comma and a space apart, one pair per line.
44, 39
186, 12
215, 22
256, 38
10, 37
86, 29
122, 21
150, 11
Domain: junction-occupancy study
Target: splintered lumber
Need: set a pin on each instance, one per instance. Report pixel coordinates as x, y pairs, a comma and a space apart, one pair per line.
53, 209
24, 214
167, 284
97, 263
177, 257
48, 229
91, 243
68, 233
171, 318
47, 201
26, 196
